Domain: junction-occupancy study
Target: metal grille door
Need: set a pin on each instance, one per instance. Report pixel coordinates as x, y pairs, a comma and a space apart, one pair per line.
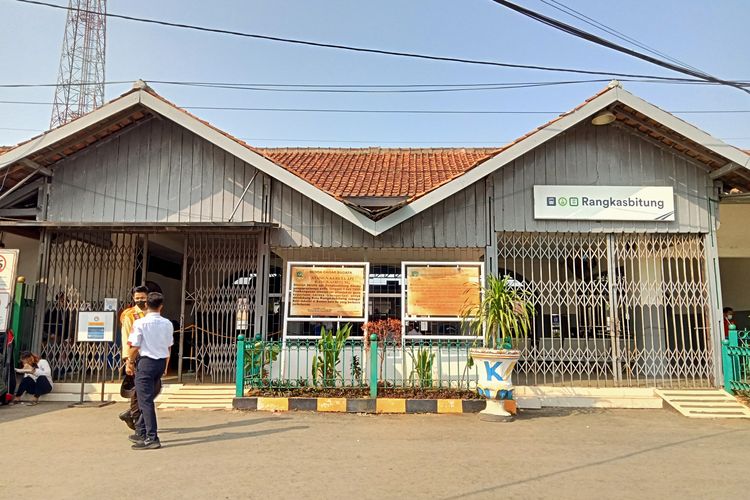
85, 268
663, 308
567, 276
222, 280
612, 309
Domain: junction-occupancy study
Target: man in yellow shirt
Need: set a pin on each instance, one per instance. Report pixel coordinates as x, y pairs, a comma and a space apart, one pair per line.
127, 317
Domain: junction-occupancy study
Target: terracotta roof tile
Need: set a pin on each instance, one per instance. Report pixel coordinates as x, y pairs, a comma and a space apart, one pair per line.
381, 172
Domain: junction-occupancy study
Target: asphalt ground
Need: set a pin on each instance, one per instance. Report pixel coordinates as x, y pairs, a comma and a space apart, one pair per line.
52, 451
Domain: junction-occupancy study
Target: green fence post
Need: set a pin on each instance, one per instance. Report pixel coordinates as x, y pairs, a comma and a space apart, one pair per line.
240, 381
373, 366
726, 362
16, 315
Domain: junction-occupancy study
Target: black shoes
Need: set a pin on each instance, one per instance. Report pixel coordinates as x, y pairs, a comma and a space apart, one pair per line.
136, 438
148, 444
128, 419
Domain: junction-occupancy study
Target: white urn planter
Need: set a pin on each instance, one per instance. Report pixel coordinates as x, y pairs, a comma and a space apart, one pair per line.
495, 383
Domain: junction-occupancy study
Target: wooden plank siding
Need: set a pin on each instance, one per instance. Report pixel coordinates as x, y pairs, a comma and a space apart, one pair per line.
603, 156
160, 172
156, 172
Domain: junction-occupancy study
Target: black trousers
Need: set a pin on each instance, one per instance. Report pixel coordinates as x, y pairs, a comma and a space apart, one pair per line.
38, 387
147, 381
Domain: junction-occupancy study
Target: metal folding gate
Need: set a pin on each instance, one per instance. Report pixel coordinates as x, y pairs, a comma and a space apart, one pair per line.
219, 295
82, 268
620, 309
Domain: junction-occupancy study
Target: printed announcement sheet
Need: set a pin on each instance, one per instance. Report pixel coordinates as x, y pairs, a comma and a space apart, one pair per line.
327, 292
442, 291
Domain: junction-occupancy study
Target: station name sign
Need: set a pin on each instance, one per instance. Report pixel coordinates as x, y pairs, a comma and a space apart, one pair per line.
612, 203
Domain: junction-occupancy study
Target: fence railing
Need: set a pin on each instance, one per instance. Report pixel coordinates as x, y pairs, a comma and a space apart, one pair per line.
735, 353
354, 364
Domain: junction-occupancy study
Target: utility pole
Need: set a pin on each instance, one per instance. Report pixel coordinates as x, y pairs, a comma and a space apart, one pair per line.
80, 80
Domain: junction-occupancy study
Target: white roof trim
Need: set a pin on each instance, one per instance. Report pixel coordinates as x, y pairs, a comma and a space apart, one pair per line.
260, 162
616, 94
376, 228
53, 136
497, 161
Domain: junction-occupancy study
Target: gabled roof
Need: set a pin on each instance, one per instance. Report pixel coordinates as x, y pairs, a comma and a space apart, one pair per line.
378, 172
329, 176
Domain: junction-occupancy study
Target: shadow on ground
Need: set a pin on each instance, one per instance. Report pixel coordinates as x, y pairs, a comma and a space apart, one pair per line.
168, 433
10, 413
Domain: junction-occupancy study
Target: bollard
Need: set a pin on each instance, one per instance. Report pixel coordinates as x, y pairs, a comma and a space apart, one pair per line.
240, 381
373, 366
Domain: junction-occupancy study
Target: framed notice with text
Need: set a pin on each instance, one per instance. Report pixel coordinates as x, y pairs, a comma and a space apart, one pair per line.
326, 292
440, 291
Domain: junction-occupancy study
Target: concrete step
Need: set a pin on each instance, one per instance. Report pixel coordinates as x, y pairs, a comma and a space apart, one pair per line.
705, 404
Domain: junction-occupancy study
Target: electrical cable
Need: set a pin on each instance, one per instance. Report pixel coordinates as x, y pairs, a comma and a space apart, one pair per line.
579, 33
612, 31
350, 48
400, 111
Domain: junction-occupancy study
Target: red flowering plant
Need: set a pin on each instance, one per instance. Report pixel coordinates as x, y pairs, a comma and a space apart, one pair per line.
388, 332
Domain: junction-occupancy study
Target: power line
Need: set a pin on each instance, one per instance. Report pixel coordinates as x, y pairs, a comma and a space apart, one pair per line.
413, 55
403, 111
579, 33
490, 85
608, 29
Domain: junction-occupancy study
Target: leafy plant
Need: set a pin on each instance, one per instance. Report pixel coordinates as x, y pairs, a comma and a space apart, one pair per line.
356, 370
504, 312
325, 365
422, 369
388, 332
259, 354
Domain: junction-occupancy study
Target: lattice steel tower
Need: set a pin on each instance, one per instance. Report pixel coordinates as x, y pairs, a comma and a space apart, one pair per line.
80, 80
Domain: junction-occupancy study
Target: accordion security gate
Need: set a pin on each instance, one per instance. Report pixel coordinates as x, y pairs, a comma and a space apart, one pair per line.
219, 297
84, 268
612, 310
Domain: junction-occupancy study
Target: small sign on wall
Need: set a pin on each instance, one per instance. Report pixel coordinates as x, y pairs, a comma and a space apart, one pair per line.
96, 326
616, 203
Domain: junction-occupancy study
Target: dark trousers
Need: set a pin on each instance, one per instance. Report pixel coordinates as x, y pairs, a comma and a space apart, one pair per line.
38, 387
147, 380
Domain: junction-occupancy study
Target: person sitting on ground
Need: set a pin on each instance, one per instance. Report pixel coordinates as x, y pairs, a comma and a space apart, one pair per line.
37, 379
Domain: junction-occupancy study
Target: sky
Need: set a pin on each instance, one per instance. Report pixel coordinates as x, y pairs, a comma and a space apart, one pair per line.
710, 35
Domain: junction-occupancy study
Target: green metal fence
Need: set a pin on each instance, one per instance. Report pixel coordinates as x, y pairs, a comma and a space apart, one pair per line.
354, 364
736, 360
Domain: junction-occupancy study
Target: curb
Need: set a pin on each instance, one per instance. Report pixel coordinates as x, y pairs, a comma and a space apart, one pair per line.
360, 405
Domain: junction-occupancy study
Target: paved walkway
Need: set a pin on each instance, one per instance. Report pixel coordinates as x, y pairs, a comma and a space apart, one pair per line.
84, 453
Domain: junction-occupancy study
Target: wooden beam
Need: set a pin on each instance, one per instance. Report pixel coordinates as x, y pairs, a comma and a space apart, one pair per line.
36, 167
21, 194
729, 167
655, 130
18, 212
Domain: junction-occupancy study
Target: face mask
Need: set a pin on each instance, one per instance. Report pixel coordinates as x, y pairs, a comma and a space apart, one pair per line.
730, 316
141, 304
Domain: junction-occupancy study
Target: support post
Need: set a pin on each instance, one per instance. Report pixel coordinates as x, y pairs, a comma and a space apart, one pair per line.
181, 347
373, 366
16, 315
240, 380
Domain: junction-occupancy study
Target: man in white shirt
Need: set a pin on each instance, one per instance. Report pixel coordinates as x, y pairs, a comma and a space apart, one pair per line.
150, 342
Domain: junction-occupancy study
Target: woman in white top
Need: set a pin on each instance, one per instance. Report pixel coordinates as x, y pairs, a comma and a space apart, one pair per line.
37, 379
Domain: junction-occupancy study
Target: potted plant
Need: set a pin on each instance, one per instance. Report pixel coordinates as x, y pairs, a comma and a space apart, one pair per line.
504, 316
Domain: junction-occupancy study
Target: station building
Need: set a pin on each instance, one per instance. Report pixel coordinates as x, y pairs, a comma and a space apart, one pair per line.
607, 215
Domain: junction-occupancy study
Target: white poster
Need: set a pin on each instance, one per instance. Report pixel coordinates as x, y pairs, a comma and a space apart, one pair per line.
4, 311
98, 326
8, 260
625, 203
